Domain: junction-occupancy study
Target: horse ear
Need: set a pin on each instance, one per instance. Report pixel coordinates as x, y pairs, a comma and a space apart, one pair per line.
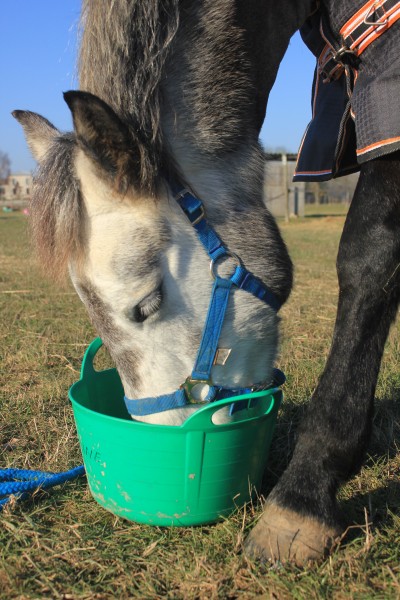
99, 131
39, 132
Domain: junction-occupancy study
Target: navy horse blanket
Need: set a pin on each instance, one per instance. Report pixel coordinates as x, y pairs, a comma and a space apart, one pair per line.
356, 88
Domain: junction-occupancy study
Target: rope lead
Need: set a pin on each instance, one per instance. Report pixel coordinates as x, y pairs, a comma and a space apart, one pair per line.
18, 483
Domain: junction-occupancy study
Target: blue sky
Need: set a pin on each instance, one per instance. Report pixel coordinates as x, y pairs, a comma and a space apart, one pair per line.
38, 44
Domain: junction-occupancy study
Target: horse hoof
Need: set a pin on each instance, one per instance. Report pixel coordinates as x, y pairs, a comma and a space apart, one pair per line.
286, 536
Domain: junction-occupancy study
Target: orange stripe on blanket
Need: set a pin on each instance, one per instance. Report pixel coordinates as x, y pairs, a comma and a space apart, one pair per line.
325, 172
378, 145
360, 15
392, 19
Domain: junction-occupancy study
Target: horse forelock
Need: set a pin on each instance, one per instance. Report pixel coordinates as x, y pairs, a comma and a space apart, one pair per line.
58, 215
124, 47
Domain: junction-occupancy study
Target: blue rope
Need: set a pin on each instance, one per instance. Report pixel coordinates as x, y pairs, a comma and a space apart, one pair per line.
19, 482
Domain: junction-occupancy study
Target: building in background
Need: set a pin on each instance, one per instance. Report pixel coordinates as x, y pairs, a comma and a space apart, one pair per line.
17, 188
285, 198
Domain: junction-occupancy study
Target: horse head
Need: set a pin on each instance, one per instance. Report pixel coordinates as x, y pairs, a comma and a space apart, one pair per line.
103, 207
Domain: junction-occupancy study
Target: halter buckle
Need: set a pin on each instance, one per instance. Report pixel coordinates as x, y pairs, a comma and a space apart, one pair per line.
339, 54
200, 217
196, 213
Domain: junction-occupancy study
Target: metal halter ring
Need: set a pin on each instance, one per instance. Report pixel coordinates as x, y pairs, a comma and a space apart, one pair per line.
228, 254
190, 386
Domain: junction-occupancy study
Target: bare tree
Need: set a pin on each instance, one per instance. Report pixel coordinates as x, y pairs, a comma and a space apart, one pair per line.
5, 166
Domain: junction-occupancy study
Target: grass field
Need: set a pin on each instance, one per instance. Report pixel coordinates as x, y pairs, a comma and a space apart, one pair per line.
326, 210
62, 545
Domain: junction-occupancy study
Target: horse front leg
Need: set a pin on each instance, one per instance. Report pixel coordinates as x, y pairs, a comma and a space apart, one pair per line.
301, 519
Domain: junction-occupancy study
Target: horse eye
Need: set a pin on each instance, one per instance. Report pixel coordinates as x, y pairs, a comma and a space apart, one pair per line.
148, 306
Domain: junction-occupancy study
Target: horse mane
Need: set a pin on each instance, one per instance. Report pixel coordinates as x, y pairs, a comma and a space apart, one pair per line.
123, 51
58, 215
127, 47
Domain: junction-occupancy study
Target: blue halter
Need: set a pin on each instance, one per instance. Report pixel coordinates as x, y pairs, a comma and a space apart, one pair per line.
242, 279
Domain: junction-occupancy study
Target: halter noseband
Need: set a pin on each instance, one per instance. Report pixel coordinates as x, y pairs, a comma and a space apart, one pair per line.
242, 279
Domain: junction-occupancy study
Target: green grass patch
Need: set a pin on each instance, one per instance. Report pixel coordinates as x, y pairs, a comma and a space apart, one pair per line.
61, 544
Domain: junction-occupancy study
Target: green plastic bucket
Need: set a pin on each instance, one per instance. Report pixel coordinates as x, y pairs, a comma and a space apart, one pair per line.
192, 474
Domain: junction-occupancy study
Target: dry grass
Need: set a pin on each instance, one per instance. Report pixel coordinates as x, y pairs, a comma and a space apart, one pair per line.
61, 544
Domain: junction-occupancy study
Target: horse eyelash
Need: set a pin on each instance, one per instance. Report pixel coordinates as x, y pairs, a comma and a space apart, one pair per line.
148, 306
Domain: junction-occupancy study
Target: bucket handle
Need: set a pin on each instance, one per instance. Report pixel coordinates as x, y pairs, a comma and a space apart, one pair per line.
87, 368
202, 418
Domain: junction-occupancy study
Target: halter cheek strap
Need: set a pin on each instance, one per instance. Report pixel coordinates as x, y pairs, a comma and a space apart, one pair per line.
242, 279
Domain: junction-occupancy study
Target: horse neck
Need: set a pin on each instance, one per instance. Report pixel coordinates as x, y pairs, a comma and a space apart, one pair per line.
215, 95
268, 27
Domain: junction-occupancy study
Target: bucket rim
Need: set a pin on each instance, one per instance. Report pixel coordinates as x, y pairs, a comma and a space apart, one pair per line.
275, 392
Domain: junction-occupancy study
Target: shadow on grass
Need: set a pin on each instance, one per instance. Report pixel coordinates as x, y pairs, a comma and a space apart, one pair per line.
383, 485
283, 443
372, 508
